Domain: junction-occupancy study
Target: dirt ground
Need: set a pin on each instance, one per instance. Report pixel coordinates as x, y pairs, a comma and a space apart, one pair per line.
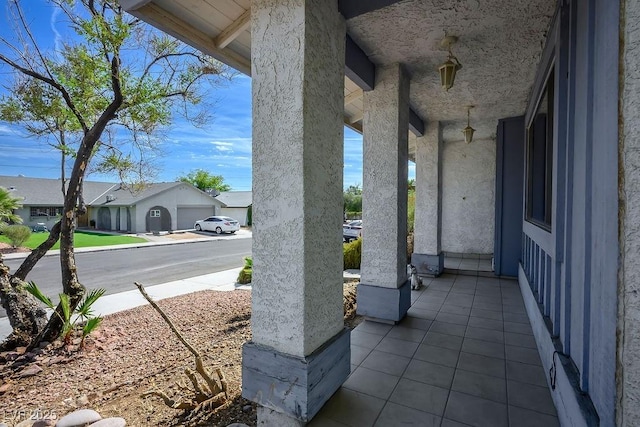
6, 248
133, 352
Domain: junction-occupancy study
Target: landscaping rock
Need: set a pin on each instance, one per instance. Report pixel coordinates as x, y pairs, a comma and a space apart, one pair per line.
237, 425
30, 371
44, 423
82, 400
79, 418
3, 388
246, 408
110, 422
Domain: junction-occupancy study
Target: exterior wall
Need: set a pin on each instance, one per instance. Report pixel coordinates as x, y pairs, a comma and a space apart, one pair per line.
239, 214
30, 221
171, 199
468, 196
628, 369
569, 269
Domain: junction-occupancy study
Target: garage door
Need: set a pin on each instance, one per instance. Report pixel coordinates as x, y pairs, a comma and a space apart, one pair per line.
188, 216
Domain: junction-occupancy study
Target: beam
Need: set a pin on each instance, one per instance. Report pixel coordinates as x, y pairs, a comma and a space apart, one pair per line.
236, 28
131, 5
180, 29
352, 97
416, 124
358, 67
352, 8
356, 117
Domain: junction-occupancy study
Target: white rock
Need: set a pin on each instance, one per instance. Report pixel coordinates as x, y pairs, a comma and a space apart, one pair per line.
237, 425
79, 418
110, 422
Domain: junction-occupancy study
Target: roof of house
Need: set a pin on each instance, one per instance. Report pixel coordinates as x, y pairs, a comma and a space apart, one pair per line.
235, 199
48, 192
42, 191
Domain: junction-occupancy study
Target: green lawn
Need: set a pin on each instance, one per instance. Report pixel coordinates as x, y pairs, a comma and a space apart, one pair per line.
81, 240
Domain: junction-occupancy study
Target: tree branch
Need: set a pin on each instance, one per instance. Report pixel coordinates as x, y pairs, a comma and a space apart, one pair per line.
50, 82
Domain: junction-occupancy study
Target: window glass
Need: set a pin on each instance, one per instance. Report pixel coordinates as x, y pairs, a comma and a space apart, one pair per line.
540, 159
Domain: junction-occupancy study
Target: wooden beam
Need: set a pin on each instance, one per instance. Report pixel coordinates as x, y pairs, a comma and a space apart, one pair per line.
416, 124
358, 67
236, 28
352, 97
356, 117
180, 29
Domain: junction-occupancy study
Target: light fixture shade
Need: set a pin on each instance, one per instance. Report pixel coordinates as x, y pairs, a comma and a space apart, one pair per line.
448, 74
468, 134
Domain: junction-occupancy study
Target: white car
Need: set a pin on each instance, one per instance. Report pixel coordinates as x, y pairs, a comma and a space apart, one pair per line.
352, 230
219, 224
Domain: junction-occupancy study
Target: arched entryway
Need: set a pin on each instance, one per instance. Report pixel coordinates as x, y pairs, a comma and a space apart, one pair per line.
104, 218
158, 219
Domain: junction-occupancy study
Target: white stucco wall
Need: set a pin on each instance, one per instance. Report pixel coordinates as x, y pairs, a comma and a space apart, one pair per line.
628, 369
468, 196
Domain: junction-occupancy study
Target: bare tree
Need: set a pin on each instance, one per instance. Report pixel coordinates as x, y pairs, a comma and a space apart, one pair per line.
101, 96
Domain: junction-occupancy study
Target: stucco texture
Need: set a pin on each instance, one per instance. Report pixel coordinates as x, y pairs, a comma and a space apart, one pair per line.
298, 77
468, 196
628, 376
427, 227
385, 169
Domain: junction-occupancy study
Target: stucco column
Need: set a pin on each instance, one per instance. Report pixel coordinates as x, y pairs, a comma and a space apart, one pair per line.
427, 251
384, 292
628, 342
299, 355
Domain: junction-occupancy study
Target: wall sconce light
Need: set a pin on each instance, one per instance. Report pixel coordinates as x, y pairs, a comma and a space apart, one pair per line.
449, 68
468, 131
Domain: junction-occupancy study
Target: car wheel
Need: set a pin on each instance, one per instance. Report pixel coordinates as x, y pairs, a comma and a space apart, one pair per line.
198, 228
218, 230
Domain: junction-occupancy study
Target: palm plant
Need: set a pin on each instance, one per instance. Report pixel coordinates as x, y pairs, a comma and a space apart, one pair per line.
8, 204
82, 313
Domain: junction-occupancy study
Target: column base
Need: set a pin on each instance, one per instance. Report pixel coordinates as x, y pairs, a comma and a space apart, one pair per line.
296, 387
387, 305
428, 265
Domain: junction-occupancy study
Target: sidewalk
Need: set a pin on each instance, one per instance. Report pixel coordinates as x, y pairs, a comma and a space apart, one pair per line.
221, 281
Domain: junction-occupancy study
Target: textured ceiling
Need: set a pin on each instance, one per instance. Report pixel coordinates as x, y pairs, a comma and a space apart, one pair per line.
499, 46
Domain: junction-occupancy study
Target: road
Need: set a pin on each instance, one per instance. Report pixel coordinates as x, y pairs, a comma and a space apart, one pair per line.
116, 270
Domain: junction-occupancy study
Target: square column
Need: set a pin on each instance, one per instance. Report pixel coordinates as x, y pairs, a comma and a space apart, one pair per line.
384, 292
427, 254
300, 352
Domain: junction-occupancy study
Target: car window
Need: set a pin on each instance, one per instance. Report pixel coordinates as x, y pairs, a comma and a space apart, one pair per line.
217, 219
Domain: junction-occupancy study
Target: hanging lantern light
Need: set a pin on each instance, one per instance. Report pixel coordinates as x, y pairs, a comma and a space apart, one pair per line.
449, 68
468, 131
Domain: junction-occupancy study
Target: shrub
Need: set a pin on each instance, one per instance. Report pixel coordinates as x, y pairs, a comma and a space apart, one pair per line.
17, 234
83, 312
352, 253
245, 274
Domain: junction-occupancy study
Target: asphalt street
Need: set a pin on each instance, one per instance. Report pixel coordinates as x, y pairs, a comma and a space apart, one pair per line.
116, 270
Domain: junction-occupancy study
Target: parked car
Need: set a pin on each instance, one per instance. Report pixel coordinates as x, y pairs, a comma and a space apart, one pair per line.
352, 230
219, 224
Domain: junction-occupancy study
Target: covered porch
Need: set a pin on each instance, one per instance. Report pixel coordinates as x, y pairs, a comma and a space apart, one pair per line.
464, 355
533, 190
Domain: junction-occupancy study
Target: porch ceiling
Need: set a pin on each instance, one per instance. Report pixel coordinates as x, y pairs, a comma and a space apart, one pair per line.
499, 46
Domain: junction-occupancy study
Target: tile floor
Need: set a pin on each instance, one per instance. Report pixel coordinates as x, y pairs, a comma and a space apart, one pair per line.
464, 356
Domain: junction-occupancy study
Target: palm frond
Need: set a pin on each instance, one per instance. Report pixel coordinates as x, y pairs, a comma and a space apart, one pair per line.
84, 309
34, 290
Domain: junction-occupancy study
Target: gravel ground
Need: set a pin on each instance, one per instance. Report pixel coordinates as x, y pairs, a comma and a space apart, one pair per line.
135, 351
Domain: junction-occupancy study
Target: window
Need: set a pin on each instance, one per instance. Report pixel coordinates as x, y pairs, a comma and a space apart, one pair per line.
154, 213
45, 211
540, 159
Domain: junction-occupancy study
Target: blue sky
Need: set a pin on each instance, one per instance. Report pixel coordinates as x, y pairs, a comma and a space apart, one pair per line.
222, 148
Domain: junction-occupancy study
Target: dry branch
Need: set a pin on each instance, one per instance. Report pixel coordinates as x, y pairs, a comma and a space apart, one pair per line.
209, 395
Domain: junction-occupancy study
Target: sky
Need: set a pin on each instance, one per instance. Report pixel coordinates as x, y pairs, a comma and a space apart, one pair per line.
223, 147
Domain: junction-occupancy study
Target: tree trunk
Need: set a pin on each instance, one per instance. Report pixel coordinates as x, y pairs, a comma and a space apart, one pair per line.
26, 316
